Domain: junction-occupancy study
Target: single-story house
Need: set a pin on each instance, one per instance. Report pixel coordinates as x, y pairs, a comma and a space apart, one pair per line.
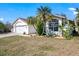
52, 27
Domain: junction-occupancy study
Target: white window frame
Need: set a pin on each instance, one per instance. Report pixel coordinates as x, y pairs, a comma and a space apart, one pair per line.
53, 25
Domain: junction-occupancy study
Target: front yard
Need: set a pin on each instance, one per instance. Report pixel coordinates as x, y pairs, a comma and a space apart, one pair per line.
38, 46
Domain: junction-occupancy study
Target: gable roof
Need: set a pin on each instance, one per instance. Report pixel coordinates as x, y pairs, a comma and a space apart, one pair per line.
24, 20
59, 15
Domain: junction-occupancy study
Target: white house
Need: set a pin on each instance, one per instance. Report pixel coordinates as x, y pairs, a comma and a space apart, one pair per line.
52, 27
20, 26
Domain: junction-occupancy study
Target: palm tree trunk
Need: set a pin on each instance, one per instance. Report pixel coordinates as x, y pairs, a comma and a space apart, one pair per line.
44, 26
76, 25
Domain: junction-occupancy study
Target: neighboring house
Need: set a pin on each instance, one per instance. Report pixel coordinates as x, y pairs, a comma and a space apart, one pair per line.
20, 26
52, 27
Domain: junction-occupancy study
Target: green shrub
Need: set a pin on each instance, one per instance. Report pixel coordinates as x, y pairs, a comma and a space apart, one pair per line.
67, 32
2, 26
39, 27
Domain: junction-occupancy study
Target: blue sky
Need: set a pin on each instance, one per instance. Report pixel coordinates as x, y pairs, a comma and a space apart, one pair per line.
9, 12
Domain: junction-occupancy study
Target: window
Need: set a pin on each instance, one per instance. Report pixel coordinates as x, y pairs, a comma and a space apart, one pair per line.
53, 25
55, 28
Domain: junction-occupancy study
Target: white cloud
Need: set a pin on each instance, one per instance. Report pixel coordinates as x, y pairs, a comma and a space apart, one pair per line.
72, 9
74, 12
1, 19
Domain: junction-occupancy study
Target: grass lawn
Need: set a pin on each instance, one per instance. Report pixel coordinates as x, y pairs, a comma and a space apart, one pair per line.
38, 46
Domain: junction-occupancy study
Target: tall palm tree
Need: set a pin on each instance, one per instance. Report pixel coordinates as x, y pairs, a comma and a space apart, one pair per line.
44, 13
77, 19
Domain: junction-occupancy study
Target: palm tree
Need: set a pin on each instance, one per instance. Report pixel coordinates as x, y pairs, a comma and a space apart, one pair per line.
32, 21
44, 13
77, 19
37, 24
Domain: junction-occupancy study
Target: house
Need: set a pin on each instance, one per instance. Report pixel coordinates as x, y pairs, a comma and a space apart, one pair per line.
20, 26
52, 26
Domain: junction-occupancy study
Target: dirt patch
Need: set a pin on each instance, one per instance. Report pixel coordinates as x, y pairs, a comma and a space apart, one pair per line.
38, 46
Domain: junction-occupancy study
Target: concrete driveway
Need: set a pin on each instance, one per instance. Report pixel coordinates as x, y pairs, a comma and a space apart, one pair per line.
7, 35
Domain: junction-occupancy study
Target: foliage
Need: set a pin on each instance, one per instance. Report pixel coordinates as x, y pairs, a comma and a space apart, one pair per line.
39, 27
37, 23
67, 31
44, 14
67, 34
31, 20
77, 19
2, 26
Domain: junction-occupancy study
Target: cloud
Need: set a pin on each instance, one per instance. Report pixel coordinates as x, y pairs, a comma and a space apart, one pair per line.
1, 19
74, 12
72, 9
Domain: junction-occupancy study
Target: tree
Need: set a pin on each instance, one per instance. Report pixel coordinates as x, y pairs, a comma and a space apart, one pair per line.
44, 14
37, 24
2, 27
67, 30
77, 19
8, 27
32, 21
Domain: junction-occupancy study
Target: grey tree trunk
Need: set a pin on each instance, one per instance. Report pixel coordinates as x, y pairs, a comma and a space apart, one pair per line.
44, 28
76, 28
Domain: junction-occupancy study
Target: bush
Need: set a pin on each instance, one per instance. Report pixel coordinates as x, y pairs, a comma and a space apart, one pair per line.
2, 26
74, 32
67, 33
39, 27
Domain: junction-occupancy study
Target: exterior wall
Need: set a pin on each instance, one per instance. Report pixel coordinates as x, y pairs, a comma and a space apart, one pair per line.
19, 22
59, 32
19, 27
31, 29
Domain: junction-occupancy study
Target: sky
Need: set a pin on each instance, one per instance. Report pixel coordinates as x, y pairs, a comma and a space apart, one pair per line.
9, 12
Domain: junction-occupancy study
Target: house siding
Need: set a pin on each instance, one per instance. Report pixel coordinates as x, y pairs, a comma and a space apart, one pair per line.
21, 27
59, 32
31, 29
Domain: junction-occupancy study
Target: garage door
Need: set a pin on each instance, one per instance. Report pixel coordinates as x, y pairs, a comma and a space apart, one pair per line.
21, 29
